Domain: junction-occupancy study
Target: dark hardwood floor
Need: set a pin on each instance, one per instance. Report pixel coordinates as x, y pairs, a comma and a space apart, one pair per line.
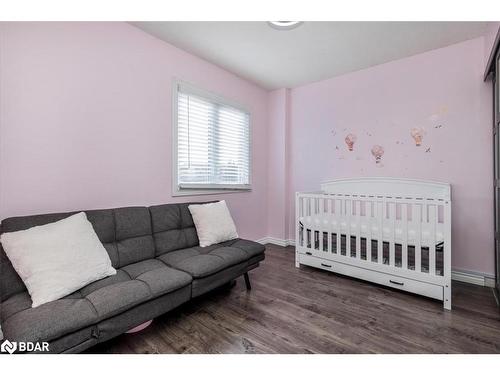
313, 311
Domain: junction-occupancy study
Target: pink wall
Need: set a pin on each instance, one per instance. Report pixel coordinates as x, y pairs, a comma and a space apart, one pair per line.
86, 120
442, 91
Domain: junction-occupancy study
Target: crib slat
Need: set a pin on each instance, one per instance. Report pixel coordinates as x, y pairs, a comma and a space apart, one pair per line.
338, 214
417, 222
357, 204
329, 229
305, 212
368, 214
348, 209
392, 228
432, 240
404, 244
380, 238
321, 228
314, 226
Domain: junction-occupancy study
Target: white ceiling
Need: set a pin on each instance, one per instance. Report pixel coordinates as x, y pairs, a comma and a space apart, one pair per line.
312, 52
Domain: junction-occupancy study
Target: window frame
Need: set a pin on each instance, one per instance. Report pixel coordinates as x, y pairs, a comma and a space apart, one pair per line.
205, 189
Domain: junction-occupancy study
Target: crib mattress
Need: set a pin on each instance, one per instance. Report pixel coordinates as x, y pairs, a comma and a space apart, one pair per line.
371, 227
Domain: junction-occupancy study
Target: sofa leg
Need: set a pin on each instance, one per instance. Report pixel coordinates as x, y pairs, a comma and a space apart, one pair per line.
247, 281
230, 284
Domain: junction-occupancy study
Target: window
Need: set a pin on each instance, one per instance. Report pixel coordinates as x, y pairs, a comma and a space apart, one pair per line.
211, 143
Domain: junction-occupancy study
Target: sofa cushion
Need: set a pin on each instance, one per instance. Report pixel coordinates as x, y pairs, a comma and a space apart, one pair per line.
252, 248
157, 276
116, 298
131, 286
204, 261
173, 227
164, 280
137, 269
120, 277
10, 282
134, 237
46, 322
18, 302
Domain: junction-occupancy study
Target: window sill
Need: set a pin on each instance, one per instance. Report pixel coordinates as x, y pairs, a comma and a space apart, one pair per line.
193, 192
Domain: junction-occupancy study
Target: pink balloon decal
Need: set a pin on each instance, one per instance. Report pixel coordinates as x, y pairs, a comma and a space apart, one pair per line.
378, 152
350, 139
418, 135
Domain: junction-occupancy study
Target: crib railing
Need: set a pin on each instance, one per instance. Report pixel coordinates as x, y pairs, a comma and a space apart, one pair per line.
411, 235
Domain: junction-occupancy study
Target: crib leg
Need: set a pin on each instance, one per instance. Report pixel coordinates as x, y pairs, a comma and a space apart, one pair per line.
447, 297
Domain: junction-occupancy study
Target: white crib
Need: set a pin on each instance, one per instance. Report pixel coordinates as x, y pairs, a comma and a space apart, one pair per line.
394, 232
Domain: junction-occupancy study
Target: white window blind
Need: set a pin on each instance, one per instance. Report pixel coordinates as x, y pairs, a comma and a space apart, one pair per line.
213, 142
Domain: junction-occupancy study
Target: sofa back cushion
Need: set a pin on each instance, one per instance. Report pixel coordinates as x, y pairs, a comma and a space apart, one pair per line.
134, 235
173, 227
126, 234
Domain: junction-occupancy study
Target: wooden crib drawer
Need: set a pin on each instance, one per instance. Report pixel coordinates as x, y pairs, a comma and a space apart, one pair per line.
402, 283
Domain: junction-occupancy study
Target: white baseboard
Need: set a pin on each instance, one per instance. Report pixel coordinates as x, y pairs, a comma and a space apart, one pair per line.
475, 278
464, 276
276, 241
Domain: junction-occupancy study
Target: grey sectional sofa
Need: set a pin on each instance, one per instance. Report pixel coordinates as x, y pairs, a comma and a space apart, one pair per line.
159, 267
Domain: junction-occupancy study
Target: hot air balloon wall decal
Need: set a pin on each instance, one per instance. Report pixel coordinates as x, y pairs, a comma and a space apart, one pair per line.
378, 152
418, 135
350, 139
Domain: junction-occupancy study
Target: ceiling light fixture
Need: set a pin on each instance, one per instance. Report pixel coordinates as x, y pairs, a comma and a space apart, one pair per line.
284, 25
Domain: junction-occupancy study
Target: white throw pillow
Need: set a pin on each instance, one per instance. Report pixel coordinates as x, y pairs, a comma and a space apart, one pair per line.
56, 259
213, 223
